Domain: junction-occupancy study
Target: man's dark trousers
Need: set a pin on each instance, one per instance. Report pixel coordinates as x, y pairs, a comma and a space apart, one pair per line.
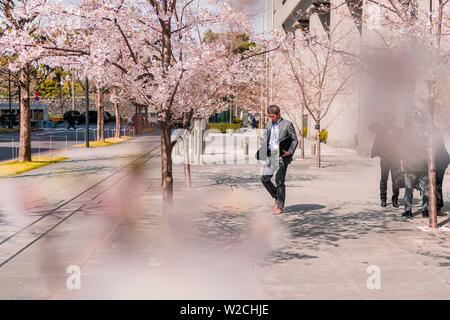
278, 167
411, 180
440, 173
392, 166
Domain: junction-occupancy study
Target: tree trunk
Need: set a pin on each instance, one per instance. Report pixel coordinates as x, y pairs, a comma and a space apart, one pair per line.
440, 20
431, 157
318, 151
146, 118
141, 120
302, 136
25, 116
166, 165
187, 118
138, 120
432, 201
302, 145
118, 133
187, 162
100, 116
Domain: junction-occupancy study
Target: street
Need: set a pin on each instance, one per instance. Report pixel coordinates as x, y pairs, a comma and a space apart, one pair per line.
58, 138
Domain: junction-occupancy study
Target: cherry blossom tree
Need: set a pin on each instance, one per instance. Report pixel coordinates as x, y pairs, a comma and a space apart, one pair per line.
26, 39
157, 47
321, 72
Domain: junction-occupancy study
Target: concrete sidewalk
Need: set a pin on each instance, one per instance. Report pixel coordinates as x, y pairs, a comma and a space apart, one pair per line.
333, 235
220, 241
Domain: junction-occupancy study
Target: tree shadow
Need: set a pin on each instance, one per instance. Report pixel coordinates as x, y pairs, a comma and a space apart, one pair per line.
314, 227
249, 181
96, 159
303, 208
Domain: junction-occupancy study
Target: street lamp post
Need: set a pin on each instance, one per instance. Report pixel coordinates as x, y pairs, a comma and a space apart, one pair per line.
73, 90
86, 82
71, 79
9, 100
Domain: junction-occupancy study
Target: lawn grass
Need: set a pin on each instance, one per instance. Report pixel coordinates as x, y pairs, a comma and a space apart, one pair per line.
149, 130
108, 142
13, 168
7, 130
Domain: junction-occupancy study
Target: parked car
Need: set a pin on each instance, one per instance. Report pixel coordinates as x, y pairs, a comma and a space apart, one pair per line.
111, 118
4, 120
92, 117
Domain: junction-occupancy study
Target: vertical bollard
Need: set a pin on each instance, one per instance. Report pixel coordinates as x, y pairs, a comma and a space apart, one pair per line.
13, 158
246, 146
51, 153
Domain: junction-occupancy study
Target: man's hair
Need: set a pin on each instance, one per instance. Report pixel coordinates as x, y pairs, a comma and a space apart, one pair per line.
273, 109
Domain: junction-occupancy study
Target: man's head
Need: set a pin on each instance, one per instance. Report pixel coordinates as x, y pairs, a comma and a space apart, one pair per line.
274, 113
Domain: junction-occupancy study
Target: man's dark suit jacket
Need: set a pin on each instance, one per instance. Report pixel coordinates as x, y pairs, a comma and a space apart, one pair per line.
287, 138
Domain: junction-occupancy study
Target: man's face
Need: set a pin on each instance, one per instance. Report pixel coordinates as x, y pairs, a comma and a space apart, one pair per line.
274, 117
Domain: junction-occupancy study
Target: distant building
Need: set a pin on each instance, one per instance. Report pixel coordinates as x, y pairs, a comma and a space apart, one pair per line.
355, 110
343, 121
39, 112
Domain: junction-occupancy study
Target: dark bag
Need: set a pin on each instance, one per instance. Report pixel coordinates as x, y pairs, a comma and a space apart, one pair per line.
285, 145
263, 153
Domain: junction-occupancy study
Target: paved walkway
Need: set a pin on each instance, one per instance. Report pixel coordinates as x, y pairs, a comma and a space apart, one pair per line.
101, 211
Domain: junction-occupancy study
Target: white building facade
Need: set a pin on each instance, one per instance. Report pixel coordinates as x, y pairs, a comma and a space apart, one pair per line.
354, 110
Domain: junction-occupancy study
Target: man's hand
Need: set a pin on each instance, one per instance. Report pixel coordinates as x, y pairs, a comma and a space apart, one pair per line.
285, 154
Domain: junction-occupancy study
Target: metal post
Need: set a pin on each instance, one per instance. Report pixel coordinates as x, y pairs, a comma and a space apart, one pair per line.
10, 100
86, 82
73, 91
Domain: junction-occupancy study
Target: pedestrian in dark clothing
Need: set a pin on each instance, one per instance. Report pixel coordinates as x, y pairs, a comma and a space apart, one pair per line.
71, 121
253, 121
415, 164
388, 137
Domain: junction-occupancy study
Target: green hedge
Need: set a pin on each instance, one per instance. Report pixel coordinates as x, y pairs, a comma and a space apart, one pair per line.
323, 136
305, 132
223, 127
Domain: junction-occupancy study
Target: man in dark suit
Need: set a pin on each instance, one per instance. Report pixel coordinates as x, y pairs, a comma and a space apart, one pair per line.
278, 151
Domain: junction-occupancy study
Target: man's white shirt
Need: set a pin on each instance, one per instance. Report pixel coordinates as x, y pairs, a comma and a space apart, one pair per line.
274, 142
